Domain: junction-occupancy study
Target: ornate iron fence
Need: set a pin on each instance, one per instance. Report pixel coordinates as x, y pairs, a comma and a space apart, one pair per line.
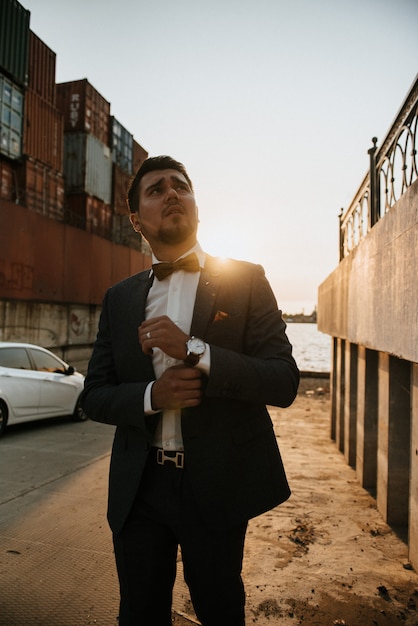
393, 168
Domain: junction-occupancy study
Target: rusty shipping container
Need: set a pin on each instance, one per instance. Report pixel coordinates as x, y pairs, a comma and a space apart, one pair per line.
87, 166
139, 156
54, 265
120, 184
7, 180
84, 109
90, 214
121, 142
40, 188
123, 234
11, 118
42, 68
14, 40
43, 131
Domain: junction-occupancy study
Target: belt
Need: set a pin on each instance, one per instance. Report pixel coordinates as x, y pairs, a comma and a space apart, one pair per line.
170, 456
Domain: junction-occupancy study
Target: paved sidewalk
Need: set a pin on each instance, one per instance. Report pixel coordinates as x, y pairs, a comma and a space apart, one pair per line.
56, 562
323, 558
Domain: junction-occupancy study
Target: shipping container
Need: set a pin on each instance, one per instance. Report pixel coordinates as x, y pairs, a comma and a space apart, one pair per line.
42, 67
14, 40
7, 180
124, 235
139, 156
120, 184
89, 213
84, 109
121, 142
11, 118
43, 131
87, 166
40, 188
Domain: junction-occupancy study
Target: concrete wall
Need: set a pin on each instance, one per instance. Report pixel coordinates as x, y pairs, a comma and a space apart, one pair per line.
413, 500
68, 330
371, 297
369, 305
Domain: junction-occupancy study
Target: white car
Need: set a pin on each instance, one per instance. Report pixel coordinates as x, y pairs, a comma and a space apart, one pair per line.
35, 384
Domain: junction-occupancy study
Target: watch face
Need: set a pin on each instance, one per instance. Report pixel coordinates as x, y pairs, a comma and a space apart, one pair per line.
196, 345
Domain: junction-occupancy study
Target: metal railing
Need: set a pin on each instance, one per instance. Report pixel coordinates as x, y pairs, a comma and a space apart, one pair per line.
393, 168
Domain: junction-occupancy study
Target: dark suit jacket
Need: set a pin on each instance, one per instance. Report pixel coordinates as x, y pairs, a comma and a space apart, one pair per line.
231, 450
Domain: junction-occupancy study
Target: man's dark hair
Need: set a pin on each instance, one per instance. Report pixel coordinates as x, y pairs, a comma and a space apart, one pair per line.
150, 165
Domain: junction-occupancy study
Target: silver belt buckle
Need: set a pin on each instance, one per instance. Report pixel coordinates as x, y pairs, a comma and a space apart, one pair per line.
177, 459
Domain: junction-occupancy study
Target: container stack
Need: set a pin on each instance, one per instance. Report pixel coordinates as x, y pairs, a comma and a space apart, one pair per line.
14, 48
99, 159
31, 125
87, 156
127, 156
121, 142
39, 176
62, 153
126, 234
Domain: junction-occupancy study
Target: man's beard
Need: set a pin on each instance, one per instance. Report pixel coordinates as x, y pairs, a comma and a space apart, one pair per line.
176, 233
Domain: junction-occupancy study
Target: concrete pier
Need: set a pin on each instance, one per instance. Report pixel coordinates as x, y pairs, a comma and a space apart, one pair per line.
369, 306
367, 403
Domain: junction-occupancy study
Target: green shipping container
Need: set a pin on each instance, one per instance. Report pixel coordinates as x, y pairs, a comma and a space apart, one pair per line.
14, 40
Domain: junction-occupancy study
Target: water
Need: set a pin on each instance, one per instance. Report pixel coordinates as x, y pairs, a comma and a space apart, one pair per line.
311, 348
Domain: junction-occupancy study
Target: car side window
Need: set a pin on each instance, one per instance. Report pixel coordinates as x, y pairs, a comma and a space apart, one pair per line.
15, 357
46, 362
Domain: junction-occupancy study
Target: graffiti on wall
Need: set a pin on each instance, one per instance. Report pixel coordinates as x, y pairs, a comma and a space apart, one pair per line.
16, 276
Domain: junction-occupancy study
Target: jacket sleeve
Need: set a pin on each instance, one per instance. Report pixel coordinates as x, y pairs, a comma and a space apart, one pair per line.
109, 396
260, 368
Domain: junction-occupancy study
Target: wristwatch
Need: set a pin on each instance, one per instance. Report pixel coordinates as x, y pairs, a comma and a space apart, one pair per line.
195, 348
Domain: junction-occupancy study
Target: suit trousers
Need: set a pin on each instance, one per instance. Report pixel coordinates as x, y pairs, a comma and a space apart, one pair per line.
164, 517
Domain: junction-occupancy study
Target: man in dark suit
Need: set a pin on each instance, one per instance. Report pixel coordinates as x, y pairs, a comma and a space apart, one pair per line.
185, 362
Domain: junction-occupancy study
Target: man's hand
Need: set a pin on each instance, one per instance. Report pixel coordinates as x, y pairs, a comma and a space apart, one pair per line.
161, 332
177, 388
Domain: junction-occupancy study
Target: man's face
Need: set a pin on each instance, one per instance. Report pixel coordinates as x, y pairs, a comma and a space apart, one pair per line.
167, 208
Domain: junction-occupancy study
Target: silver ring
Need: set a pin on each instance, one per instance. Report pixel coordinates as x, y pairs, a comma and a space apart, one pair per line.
148, 335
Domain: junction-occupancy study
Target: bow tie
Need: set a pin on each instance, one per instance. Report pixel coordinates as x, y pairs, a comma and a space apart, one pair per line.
188, 263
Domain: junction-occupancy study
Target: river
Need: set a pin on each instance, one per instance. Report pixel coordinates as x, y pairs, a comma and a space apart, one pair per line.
311, 348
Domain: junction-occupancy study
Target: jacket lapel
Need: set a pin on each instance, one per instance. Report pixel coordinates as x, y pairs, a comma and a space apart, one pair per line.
136, 315
138, 298
207, 290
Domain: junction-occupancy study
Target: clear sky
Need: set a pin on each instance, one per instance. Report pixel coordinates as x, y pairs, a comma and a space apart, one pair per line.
270, 104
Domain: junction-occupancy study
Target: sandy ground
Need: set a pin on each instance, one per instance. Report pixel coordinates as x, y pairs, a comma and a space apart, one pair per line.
325, 557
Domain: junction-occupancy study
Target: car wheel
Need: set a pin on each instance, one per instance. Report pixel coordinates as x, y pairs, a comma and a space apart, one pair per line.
3, 417
79, 415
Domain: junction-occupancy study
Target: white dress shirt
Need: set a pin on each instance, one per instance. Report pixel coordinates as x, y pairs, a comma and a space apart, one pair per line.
175, 297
